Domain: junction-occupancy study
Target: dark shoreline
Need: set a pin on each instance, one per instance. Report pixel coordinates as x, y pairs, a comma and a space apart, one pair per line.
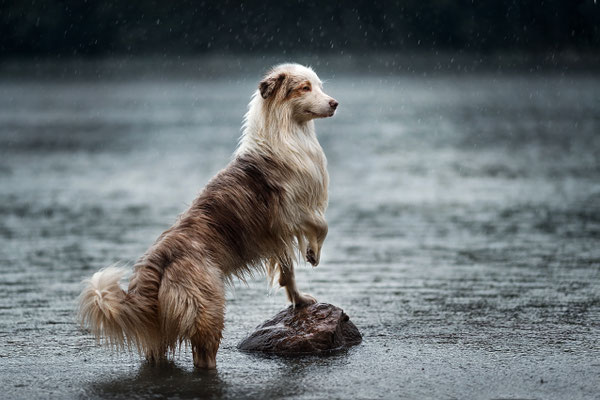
224, 66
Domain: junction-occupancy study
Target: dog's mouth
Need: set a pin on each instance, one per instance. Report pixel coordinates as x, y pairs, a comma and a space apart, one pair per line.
317, 115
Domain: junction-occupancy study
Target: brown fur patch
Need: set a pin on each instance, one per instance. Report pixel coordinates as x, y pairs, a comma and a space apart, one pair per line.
270, 85
233, 226
297, 89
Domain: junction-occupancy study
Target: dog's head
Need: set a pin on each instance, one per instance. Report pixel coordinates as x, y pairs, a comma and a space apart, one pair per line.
298, 89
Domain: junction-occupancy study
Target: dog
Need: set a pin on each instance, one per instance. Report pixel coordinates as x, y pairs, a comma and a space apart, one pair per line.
264, 208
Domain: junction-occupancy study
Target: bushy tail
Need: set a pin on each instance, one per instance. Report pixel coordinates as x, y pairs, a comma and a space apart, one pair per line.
120, 318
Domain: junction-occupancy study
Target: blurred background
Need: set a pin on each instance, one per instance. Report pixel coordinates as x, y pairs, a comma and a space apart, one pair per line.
87, 28
464, 211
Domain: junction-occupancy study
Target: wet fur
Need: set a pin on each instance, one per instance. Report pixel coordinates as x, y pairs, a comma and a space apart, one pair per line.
267, 205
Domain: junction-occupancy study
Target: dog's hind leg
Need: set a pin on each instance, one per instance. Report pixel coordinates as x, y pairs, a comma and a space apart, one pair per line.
288, 281
209, 324
156, 355
205, 342
204, 352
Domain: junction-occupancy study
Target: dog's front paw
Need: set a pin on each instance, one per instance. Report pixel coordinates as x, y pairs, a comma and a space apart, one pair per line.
304, 299
311, 257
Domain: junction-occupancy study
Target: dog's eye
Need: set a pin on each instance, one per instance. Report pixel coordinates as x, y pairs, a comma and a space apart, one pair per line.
306, 88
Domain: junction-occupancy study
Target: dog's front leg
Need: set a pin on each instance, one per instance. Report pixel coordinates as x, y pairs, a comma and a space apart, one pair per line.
315, 230
288, 281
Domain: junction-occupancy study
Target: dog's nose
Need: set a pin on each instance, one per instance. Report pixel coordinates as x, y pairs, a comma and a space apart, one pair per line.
333, 104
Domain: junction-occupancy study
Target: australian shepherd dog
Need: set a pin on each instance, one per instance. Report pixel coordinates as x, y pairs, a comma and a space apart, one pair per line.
259, 212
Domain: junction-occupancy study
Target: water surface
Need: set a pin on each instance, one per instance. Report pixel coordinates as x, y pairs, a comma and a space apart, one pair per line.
464, 232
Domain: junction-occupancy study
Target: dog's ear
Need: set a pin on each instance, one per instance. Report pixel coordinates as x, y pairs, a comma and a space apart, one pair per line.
270, 85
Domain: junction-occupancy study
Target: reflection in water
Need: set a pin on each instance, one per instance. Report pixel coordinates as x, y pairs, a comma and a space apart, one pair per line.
163, 380
289, 376
169, 380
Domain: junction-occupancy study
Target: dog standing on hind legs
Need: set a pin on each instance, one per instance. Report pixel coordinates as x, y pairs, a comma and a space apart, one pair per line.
256, 213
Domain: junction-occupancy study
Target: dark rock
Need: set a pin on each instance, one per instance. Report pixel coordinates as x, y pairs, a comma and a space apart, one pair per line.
314, 329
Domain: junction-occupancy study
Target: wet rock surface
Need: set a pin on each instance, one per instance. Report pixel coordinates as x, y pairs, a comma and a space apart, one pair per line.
314, 329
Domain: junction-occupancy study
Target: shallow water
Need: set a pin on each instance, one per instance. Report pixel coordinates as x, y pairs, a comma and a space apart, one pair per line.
464, 232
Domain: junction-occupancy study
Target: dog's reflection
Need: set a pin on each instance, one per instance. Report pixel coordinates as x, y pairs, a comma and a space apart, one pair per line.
287, 377
165, 380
